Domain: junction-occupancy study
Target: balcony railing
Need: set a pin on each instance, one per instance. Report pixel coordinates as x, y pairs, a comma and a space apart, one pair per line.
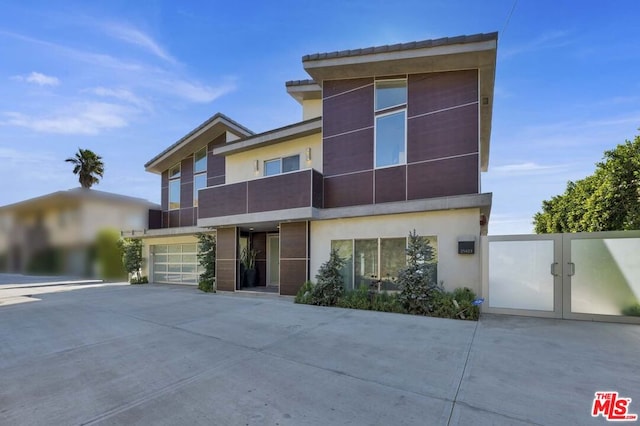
280, 192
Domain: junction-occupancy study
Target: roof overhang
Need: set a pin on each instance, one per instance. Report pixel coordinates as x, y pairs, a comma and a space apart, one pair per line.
449, 54
304, 90
294, 131
198, 138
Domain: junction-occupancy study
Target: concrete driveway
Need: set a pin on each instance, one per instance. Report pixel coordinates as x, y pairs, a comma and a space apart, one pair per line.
162, 355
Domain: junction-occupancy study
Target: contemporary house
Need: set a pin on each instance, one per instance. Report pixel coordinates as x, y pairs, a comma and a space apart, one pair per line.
392, 139
55, 233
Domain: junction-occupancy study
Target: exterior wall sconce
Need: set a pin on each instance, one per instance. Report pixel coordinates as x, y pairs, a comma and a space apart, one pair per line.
308, 155
256, 167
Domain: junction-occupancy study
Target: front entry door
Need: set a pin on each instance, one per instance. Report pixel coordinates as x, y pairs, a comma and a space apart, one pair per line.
273, 260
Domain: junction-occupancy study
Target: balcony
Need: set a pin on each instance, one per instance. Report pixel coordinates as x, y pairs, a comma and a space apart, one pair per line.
298, 193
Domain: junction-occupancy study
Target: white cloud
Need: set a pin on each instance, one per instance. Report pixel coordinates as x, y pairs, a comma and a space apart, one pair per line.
88, 118
38, 78
527, 168
197, 92
548, 40
120, 94
138, 38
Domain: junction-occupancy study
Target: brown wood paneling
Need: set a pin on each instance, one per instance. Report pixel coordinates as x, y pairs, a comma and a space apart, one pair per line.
293, 240
165, 219
261, 267
186, 169
293, 273
285, 191
186, 217
186, 194
155, 219
225, 275
442, 178
223, 200
317, 191
164, 179
348, 190
391, 184
174, 218
226, 240
436, 91
218, 180
348, 112
164, 198
333, 87
448, 133
259, 242
348, 153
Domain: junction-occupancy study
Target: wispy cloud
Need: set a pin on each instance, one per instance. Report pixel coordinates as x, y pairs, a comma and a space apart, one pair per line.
527, 168
195, 91
136, 37
548, 40
88, 118
38, 78
120, 94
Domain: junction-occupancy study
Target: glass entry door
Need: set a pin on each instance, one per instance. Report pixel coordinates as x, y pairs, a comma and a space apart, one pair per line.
273, 260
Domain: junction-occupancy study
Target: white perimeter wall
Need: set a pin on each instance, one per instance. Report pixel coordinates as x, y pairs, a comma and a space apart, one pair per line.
454, 269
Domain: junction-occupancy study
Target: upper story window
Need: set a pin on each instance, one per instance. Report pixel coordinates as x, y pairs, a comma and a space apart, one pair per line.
390, 122
281, 165
200, 173
174, 187
200, 161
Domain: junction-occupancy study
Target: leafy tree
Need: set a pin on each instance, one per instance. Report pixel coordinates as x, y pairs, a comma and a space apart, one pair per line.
330, 284
207, 258
417, 281
131, 255
109, 255
607, 200
88, 166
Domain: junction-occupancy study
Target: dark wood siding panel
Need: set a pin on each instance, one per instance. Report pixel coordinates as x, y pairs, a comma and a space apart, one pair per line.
215, 181
174, 218
348, 190
333, 87
225, 275
348, 112
186, 169
293, 273
226, 244
186, 217
165, 219
186, 194
223, 200
280, 192
293, 240
164, 198
444, 134
348, 153
155, 219
259, 242
317, 200
436, 91
443, 178
390, 184
164, 179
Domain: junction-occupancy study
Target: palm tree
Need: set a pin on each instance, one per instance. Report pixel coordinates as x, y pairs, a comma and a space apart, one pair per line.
88, 166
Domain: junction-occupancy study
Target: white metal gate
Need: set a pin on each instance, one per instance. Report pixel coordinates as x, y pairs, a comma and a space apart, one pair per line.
587, 276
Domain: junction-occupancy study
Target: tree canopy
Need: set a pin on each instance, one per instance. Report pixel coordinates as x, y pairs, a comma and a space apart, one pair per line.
88, 166
607, 200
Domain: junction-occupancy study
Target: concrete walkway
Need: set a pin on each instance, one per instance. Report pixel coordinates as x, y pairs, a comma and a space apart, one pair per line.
167, 355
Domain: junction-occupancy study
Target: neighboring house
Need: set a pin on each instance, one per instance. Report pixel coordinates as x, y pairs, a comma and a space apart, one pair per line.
55, 233
392, 139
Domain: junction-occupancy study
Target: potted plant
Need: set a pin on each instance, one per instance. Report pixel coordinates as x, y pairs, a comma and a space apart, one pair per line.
248, 259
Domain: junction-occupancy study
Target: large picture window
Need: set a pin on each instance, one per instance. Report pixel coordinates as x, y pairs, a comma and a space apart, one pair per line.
390, 122
372, 260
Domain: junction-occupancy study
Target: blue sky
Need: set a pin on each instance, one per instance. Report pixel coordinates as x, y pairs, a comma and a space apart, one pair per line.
126, 79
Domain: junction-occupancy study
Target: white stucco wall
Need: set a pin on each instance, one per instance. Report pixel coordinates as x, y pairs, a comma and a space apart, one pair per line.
454, 269
311, 108
240, 167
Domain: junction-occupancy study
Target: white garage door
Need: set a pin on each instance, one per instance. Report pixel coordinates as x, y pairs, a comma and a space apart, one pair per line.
176, 264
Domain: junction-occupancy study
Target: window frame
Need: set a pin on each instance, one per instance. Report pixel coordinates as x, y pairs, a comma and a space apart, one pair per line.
173, 181
386, 108
280, 162
195, 161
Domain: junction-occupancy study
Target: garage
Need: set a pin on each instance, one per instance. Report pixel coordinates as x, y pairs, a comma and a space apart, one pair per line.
176, 264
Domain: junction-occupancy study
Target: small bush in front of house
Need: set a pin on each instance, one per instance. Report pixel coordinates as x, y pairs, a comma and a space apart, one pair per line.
330, 284
632, 311
417, 281
304, 294
457, 305
139, 280
387, 302
207, 259
356, 299
207, 286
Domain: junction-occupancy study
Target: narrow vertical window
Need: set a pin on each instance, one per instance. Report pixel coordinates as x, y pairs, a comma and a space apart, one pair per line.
390, 122
174, 187
200, 173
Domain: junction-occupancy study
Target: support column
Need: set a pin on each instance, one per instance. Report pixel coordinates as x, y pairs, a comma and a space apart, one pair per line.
226, 258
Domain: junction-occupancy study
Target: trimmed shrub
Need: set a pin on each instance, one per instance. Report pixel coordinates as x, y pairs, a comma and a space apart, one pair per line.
356, 299
330, 285
632, 311
207, 259
139, 280
131, 249
387, 302
304, 294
